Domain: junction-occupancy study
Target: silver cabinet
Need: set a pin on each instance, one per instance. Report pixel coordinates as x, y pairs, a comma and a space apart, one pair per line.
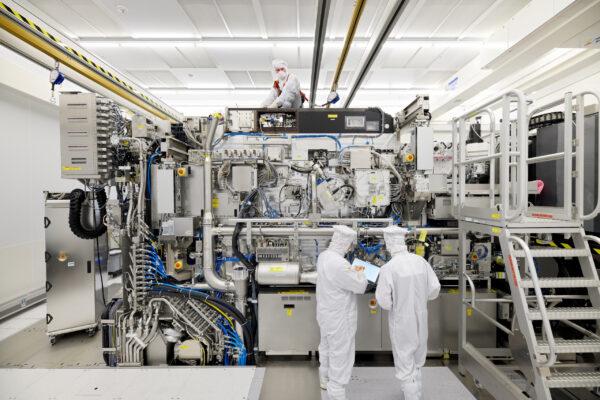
368, 331
443, 318
288, 325
73, 268
287, 322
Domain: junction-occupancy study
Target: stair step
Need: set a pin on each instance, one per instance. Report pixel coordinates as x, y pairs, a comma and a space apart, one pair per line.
566, 313
552, 252
570, 346
573, 379
562, 283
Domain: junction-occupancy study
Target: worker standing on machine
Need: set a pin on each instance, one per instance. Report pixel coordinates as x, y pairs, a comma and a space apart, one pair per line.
338, 283
285, 92
405, 284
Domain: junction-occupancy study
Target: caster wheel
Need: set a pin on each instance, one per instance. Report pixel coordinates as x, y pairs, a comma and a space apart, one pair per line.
91, 332
52, 340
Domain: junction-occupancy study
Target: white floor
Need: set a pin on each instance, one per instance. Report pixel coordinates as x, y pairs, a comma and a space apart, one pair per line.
180, 383
439, 383
24, 320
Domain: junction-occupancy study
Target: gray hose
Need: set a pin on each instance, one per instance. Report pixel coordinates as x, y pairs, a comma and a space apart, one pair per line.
210, 275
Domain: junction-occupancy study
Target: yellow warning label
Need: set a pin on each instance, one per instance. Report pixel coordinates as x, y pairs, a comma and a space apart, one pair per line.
276, 269
469, 312
453, 291
420, 250
293, 292
377, 199
215, 202
423, 235
496, 216
373, 311
496, 230
332, 116
71, 168
288, 312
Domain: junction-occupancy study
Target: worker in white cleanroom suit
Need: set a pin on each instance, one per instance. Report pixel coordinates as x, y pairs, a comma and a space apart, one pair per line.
338, 283
405, 284
285, 92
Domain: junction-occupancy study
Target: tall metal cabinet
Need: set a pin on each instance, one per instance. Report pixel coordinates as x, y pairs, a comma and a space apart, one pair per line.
74, 266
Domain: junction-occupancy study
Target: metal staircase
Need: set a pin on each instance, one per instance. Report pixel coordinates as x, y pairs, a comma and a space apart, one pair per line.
545, 348
546, 360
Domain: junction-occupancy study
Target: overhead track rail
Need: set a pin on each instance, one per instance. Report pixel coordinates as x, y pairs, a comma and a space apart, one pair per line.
358, 10
31, 32
392, 18
320, 29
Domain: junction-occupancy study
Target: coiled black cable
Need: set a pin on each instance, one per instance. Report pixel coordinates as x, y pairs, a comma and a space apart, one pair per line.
77, 197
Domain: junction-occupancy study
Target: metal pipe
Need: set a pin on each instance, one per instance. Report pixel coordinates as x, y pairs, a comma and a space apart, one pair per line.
210, 275
320, 30
568, 151
388, 164
322, 231
546, 157
313, 193
388, 26
358, 9
479, 159
455, 161
304, 220
308, 277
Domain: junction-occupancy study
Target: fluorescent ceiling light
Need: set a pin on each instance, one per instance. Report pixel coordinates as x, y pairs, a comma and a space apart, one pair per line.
93, 44
143, 43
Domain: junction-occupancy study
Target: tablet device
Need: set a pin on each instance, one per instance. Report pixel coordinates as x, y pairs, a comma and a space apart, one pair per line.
371, 271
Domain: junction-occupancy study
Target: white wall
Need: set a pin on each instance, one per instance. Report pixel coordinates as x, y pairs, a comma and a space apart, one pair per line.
29, 164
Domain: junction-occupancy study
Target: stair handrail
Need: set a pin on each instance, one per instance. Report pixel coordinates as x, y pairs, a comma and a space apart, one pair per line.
595, 239
530, 267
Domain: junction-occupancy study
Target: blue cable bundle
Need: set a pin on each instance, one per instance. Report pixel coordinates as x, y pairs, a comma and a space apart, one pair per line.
232, 343
370, 249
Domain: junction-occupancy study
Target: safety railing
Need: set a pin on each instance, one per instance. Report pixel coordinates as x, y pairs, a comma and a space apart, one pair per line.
567, 154
512, 156
474, 307
579, 161
541, 303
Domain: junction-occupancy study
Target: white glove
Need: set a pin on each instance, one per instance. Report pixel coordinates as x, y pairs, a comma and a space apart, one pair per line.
274, 104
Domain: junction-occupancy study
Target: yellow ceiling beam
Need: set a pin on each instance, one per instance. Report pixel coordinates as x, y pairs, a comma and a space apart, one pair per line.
72, 59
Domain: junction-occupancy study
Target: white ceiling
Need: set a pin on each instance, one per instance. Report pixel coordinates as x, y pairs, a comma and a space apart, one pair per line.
203, 65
